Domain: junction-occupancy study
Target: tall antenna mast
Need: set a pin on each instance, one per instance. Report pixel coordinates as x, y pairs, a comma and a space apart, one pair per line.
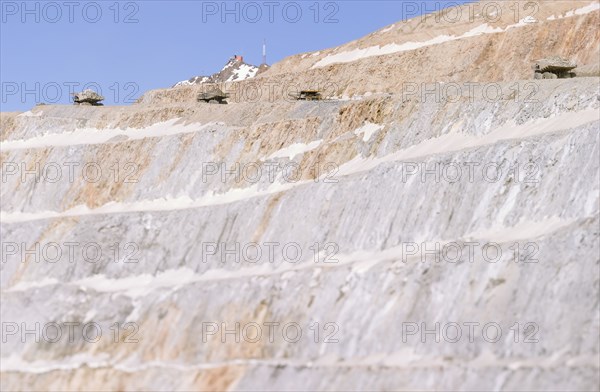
264, 51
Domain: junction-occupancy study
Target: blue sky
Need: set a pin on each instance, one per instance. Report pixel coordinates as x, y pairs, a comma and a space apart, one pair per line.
49, 48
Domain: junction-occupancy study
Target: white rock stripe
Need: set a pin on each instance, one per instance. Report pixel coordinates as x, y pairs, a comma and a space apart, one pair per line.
372, 51
141, 285
452, 142
455, 141
405, 359
91, 136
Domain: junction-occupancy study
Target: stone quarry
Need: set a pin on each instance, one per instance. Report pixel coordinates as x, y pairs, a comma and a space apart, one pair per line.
432, 225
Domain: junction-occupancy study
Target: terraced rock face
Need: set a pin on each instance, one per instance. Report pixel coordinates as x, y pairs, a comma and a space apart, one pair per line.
385, 225
488, 41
